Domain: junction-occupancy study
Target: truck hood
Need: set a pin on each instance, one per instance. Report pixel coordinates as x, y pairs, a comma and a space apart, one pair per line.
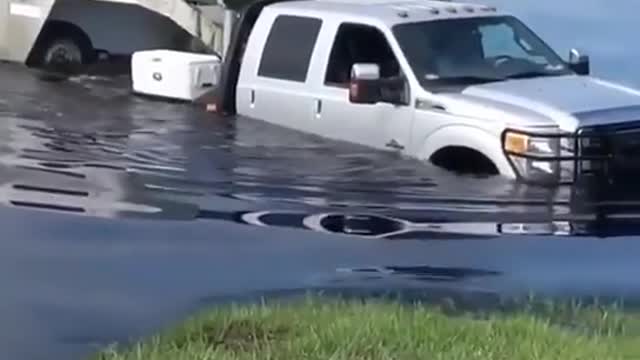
568, 101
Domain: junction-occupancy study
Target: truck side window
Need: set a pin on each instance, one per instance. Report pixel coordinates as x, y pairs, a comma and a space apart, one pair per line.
355, 43
287, 52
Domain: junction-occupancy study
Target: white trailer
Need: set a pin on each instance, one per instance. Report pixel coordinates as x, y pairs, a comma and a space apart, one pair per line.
45, 32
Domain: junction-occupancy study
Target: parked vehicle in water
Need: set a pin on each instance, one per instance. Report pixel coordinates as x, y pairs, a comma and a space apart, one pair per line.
465, 86
79, 32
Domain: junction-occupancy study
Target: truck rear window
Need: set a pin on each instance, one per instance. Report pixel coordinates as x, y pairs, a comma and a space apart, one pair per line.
289, 47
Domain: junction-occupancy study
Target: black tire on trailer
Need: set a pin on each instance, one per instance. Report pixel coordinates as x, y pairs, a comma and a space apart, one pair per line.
62, 46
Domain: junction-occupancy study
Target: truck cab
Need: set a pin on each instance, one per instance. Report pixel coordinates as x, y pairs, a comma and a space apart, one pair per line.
465, 86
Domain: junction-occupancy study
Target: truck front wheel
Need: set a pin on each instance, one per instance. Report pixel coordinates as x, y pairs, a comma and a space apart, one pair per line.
62, 47
62, 51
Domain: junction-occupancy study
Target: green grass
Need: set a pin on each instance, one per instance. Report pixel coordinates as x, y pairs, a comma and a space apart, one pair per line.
332, 329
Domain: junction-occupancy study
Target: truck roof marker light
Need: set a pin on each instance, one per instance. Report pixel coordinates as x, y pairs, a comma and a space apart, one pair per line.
402, 10
452, 9
469, 9
430, 9
421, 7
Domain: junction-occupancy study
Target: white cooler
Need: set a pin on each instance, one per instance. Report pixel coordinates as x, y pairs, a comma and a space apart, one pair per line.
174, 74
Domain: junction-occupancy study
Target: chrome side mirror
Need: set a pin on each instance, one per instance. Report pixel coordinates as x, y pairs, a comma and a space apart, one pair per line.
579, 62
365, 71
364, 87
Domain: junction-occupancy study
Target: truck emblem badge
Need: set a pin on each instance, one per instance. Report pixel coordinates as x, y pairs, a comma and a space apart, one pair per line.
157, 76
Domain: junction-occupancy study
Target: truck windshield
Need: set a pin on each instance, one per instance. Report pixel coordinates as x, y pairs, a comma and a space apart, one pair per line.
475, 50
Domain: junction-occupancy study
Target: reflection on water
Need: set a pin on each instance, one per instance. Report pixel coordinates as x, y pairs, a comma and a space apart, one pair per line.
420, 273
90, 147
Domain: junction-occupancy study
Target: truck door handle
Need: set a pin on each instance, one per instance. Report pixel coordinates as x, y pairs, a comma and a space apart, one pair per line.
394, 145
253, 97
318, 107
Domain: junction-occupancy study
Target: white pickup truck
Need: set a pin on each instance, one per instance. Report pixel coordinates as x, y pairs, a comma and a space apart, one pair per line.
465, 86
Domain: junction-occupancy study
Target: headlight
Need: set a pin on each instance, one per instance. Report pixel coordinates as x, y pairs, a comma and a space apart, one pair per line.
533, 146
537, 157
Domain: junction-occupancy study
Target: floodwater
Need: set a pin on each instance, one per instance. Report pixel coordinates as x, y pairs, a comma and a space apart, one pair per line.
121, 214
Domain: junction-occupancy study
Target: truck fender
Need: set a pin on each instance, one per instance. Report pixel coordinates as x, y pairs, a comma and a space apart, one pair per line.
470, 137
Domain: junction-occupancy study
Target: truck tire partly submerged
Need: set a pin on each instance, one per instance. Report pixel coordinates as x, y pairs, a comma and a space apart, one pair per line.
62, 47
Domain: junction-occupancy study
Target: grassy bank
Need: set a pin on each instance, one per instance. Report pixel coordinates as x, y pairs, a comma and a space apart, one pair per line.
350, 330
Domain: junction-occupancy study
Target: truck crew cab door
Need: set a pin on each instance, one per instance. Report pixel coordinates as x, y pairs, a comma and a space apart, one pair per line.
382, 125
274, 78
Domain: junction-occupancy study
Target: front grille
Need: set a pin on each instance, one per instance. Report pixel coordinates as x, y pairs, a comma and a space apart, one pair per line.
609, 151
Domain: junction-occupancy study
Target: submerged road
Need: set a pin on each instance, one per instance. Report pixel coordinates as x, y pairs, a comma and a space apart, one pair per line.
121, 215
72, 283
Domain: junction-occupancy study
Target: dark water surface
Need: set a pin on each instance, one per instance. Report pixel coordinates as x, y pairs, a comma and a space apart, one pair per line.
123, 214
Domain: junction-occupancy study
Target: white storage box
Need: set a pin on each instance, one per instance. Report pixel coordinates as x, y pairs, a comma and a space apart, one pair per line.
174, 74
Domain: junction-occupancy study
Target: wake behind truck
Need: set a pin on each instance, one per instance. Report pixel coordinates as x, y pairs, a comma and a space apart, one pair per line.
465, 86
